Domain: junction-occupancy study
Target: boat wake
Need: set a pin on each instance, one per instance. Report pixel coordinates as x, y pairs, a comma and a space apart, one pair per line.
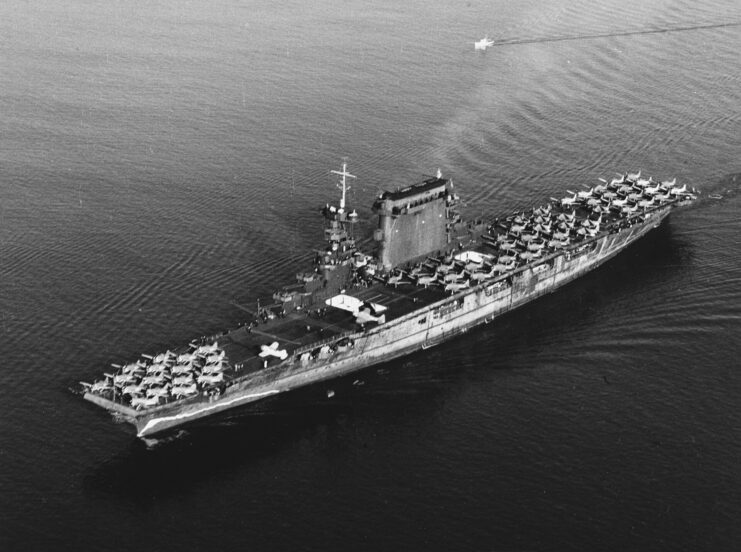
614, 34
726, 188
152, 442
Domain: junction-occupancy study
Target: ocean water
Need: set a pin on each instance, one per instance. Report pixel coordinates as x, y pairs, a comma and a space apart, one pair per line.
159, 159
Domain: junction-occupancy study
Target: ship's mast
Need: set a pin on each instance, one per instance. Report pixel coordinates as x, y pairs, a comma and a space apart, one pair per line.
343, 184
338, 223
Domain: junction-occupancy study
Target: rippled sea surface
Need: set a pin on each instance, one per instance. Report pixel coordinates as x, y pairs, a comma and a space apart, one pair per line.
159, 159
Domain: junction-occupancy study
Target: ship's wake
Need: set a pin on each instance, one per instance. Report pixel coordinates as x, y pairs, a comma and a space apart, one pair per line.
726, 188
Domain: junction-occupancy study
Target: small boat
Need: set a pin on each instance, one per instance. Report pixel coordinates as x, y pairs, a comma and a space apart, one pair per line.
483, 44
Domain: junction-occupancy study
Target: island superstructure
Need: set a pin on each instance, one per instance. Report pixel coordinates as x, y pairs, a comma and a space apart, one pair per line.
432, 277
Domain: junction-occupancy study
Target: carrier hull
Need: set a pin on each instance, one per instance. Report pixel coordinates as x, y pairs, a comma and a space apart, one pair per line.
418, 329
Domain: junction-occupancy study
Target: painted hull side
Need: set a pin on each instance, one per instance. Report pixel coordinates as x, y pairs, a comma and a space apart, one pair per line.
420, 329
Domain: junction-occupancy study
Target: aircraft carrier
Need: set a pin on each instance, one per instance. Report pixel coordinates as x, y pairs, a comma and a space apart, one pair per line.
432, 277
